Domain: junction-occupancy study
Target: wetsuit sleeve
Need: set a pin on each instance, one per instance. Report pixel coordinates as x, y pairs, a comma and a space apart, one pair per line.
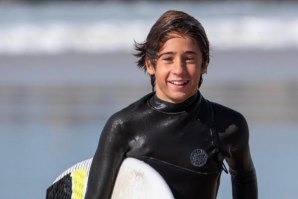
106, 161
243, 175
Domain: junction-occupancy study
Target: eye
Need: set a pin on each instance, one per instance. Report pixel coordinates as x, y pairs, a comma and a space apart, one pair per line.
189, 59
167, 59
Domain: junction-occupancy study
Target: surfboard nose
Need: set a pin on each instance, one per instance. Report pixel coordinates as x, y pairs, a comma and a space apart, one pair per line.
135, 180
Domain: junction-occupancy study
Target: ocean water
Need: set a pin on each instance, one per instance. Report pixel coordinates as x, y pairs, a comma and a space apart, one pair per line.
66, 67
91, 27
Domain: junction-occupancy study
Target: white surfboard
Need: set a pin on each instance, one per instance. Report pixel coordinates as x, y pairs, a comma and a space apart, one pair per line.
135, 180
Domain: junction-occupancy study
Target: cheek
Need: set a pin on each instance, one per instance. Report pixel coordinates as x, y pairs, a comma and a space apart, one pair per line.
160, 76
195, 72
161, 71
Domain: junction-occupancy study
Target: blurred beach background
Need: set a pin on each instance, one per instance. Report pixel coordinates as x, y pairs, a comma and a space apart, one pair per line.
66, 66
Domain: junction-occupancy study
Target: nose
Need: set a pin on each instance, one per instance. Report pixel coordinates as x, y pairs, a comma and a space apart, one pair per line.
179, 67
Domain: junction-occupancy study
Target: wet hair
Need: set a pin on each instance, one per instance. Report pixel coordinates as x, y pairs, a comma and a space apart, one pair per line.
171, 22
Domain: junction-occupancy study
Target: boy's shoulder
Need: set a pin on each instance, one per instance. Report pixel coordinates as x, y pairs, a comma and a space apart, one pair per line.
224, 113
133, 110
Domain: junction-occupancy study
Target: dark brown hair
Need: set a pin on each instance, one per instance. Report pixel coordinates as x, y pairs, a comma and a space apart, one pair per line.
176, 22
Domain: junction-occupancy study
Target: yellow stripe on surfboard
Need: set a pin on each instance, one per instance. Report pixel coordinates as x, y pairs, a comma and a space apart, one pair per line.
78, 178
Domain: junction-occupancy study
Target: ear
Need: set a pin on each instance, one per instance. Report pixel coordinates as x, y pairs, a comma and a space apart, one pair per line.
204, 67
150, 68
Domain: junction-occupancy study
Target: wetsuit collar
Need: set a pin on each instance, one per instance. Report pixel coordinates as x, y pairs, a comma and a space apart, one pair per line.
168, 107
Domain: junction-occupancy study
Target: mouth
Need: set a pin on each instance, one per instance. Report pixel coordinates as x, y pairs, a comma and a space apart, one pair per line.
179, 82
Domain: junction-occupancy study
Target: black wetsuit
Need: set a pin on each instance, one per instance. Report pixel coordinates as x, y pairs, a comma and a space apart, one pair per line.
186, 143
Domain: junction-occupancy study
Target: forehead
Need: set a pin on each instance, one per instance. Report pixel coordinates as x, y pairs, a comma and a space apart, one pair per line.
178, 42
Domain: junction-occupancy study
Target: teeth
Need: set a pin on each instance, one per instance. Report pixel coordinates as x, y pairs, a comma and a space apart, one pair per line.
178, 83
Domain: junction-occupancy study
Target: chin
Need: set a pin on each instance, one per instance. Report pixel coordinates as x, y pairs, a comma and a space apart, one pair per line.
178, 98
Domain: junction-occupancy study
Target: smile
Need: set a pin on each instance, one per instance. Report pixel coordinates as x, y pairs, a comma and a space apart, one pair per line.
179, 82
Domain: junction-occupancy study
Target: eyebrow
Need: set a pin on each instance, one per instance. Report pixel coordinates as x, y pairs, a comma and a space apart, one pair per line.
165, 53
171, 53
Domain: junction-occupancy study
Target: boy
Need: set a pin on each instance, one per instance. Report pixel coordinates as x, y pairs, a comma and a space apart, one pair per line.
174, 129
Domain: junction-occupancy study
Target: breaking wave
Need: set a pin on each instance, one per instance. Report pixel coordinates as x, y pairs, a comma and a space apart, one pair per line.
116, 33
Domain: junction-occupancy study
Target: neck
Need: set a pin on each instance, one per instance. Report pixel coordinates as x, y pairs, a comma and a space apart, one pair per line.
169, 107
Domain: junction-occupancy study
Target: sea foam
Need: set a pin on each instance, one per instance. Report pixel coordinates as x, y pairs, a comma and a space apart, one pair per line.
56, 28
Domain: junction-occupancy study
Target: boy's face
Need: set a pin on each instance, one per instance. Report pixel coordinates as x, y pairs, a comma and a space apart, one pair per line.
179, 66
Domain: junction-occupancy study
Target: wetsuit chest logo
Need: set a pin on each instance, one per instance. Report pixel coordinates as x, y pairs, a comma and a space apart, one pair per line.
198, 157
